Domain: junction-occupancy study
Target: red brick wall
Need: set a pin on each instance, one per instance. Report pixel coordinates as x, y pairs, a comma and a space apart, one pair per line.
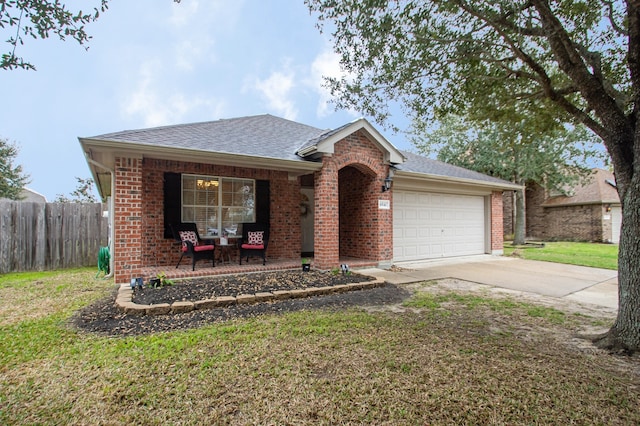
497, 234
567, 223
607, 224
536, 224
139, 212
358, 233
128, 218
574, 223
347, 219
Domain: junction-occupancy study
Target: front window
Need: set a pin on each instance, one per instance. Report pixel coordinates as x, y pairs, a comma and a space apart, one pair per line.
217, 204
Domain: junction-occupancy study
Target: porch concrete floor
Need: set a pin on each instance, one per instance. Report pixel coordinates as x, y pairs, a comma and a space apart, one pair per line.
204, 269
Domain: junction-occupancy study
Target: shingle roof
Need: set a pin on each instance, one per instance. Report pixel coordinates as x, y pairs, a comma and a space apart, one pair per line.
599, 189
269, 137
324, 135
260, 135
419, 164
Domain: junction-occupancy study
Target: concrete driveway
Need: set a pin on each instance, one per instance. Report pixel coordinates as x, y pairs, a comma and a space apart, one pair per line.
578, 283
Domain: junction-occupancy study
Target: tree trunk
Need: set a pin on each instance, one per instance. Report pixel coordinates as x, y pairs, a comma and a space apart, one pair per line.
519, 231
624, 335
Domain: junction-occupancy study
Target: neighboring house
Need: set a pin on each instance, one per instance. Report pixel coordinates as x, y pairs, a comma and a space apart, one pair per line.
587, 212
320, 191
31, 196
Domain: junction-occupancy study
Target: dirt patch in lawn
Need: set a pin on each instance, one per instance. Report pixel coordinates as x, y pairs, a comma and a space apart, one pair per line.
104, 318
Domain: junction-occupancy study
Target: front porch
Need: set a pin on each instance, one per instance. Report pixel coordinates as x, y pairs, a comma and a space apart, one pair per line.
204, 269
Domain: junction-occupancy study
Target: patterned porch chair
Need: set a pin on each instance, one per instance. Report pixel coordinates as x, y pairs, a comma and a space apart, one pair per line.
192, 245
255, 238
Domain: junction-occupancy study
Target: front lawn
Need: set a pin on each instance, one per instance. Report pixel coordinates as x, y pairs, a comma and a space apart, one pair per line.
586, 254
443, 357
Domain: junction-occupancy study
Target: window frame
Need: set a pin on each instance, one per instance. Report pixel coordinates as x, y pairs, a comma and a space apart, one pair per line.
214, 203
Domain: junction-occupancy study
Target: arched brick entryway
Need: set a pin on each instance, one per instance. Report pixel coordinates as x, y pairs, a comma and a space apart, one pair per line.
348, 221
358, 199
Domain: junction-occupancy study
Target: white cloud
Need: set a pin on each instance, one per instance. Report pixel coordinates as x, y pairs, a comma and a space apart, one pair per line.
326, 64
276, 90
188, 54
157, 106
197, 25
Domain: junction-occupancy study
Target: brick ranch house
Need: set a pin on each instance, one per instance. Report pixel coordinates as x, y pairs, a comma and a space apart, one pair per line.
589, 211
320, 191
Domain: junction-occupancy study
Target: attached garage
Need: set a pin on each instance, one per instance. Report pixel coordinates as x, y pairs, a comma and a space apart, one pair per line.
429, 225
440, 210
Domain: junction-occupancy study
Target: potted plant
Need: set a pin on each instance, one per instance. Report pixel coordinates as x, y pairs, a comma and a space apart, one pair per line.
306, 264
160, 280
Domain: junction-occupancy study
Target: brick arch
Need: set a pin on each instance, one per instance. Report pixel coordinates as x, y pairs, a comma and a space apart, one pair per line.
348, 222
357, 201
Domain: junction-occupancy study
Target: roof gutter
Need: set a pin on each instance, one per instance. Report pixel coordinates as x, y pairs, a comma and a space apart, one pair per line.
508, 186
184, 154
307, 150
110, 208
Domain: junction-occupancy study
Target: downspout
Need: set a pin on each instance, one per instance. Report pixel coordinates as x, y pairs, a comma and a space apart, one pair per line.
111, 218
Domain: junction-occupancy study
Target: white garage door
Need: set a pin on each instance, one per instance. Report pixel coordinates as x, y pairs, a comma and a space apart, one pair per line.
430, 225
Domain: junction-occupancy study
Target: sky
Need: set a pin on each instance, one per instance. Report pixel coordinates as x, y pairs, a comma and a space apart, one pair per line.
154, 63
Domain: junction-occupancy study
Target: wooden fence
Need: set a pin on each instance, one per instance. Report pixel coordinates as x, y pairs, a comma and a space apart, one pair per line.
45, 236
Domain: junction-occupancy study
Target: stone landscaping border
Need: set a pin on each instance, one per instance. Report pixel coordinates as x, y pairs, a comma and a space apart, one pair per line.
124, 299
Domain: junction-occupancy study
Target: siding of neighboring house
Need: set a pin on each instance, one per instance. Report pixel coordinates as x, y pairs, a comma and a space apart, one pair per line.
536, 225
509, 212
557, 218
574, 223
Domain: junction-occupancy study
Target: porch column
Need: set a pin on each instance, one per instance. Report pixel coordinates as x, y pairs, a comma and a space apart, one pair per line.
327, 218
127, 200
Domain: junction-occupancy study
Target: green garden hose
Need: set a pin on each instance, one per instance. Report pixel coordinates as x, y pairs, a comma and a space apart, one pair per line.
103, 261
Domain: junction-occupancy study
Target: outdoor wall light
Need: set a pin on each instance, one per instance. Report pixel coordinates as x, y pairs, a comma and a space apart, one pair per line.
387, 184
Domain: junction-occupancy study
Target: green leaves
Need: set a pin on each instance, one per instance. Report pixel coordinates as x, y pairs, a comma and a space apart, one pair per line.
12, 178
460, 56
39, 19
514, 147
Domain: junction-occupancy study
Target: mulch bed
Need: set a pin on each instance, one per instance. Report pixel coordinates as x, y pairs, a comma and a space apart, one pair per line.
104, 318
235, 285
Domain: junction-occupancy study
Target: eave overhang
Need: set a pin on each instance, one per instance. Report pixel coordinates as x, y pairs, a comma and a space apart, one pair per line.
415, 177
325, 146
104, 152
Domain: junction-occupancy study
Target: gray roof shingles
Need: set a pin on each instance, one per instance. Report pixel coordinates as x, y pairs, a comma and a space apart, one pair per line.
419, 164
271, 137
595, 190
259, 136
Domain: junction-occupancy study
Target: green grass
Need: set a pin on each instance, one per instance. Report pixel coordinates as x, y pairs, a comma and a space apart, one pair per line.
585, 254
488, 361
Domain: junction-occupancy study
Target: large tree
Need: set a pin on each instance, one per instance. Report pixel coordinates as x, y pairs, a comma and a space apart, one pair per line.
579, 59
12, 178
516, 150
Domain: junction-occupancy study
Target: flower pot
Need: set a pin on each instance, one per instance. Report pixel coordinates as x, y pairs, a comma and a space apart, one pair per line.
154, 282
306, 267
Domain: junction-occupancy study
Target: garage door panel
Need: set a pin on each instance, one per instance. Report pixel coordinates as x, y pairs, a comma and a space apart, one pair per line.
616, 222
429, 225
